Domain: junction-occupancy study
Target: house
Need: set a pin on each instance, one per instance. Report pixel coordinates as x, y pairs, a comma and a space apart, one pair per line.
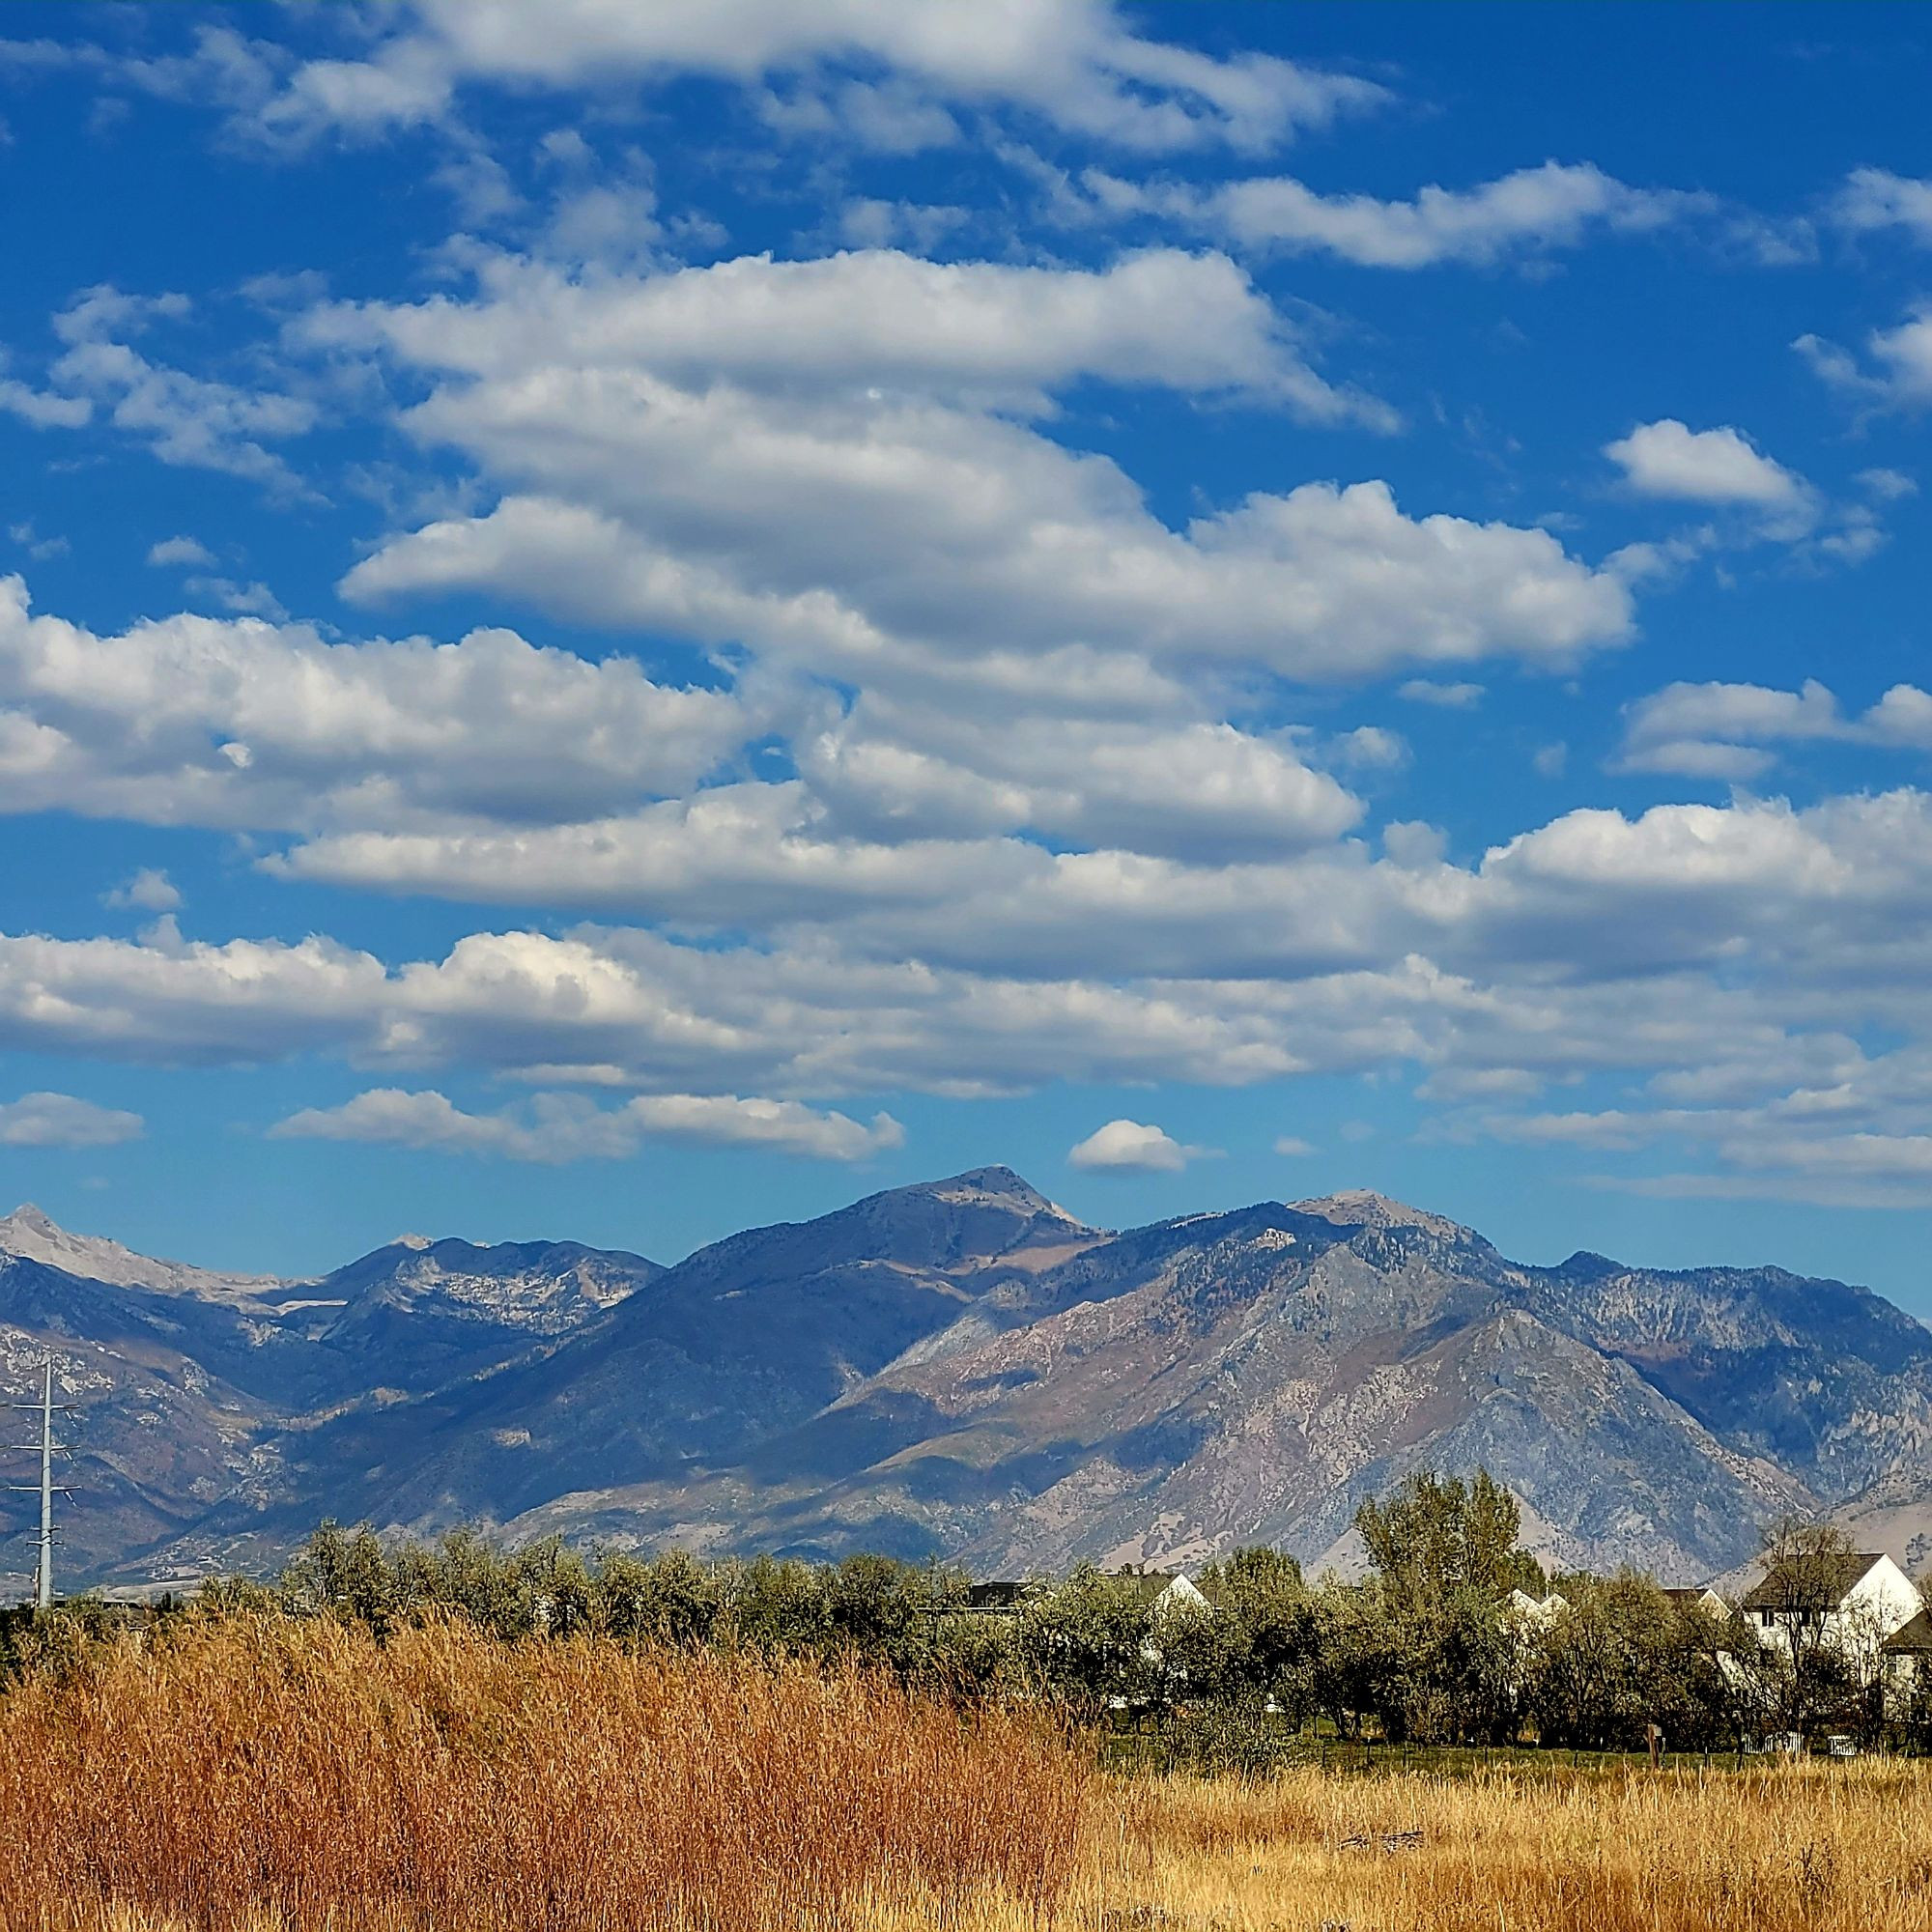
1849, 1604
1701, 1597
1908, 1657
1167, 1593
1541, 1611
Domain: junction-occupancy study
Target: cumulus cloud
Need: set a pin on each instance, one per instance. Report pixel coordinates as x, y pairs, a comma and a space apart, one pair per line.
1073, 63
1729, 730
1531, 211
44, 409
558, 1128
941, 538
1848, 1134
1897, 372
185, 551
864, 489
1130, 1146
1872, 199
872, 318
149, 889
60, 1120
245, 724
1724, 954
1720, 466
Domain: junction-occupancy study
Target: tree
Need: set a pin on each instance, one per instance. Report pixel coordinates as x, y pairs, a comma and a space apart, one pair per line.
1607, 1666
1435, 1535
1806, 1569
1358, 1660
1267, 1627
343, 1572
771, 1605
672, 1601
1090, 1643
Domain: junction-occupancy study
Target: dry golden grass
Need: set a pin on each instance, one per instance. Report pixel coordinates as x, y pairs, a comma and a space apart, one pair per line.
300, 1775
279, 1777
1822, 1847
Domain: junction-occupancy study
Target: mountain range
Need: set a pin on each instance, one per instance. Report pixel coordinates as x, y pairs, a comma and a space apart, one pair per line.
962, 1368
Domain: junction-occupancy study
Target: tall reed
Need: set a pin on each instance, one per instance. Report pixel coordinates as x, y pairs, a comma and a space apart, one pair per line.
269, 1772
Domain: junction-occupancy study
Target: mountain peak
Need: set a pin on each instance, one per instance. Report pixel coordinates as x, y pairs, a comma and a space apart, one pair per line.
1364, 1207
989, 1185
28, 1233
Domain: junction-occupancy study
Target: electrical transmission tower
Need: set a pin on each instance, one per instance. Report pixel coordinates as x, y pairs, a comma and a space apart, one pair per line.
46, 1406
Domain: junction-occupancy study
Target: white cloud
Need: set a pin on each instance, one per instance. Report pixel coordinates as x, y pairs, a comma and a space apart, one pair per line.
151, 890
1130, 1146
1292, 1147
733, 856
183, 419
1713, 466
245, 1001
852, 490
252, 600
1873, 198
866, 320
1902, 375
185, 551
1195, 790
1888, 486
1443, 697
941, 538
556, 1129
1726, 953
37, 547
1554, 206
1071, 62
1370, 748
1726, 731
44, 409
1849, 1135
60, 1120
241, 723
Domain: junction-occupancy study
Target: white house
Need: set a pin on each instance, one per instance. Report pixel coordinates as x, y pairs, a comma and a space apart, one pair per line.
1540, 1612
1849, 1604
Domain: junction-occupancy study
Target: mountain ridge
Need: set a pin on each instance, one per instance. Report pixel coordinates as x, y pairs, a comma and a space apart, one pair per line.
960, 1368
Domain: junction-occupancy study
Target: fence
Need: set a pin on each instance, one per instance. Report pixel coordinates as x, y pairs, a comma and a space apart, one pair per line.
1164, 1753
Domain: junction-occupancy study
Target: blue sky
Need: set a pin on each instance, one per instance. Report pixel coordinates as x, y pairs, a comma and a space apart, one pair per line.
621, 620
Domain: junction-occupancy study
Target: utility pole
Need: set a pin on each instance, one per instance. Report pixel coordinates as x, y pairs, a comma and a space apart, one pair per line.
44, 1576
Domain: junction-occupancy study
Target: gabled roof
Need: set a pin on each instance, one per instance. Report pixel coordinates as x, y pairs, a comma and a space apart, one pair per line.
1914, 1640
1811, 1583
1696, 1595
1154, 1586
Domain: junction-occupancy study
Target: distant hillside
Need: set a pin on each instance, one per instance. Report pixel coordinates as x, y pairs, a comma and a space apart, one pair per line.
960, 1368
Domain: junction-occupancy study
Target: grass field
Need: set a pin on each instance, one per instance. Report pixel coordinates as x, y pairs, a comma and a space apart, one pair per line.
301, 1778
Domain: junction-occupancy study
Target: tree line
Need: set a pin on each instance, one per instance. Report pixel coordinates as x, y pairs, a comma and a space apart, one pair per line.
1431, 1647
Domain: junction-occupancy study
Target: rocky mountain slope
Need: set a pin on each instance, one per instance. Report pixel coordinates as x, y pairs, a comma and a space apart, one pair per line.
962, 1368
189, 1383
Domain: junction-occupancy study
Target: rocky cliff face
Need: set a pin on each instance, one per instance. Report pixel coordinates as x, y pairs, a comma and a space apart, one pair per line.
962, 1368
